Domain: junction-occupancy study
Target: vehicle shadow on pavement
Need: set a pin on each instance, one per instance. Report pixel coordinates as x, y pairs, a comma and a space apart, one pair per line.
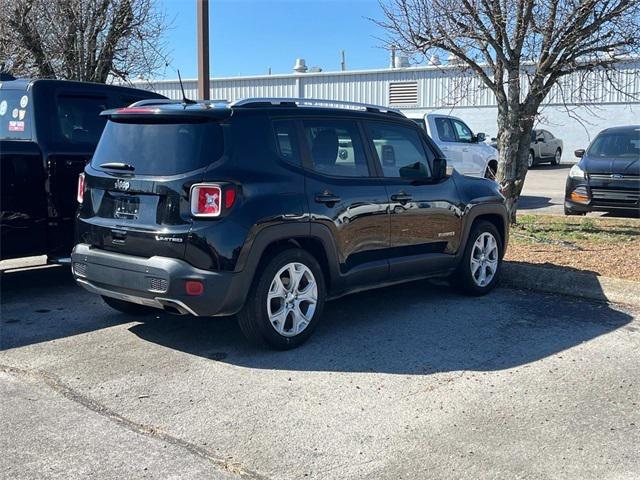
416, 328
44, 303
530, 202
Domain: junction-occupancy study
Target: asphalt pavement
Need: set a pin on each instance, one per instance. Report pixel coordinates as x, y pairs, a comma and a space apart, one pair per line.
543, 190
411, 381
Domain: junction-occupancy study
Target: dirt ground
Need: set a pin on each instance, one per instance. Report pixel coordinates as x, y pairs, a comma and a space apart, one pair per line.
608, 247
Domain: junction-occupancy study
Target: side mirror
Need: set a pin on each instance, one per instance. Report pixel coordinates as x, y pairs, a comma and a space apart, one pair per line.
439, 168
540, 139
579, 153
480, 137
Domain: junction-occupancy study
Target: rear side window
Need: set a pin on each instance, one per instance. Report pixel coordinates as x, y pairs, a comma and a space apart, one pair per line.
336, 148
445, 130
286, 141
398, 148
79, 118
15, 115
160, 148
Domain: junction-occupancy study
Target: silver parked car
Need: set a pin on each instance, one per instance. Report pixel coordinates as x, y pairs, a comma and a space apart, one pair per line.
544, 148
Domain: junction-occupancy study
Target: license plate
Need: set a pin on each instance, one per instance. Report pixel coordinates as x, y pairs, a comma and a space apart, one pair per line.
127, 208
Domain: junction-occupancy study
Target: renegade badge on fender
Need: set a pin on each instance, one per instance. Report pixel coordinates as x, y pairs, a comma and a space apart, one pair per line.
266, 208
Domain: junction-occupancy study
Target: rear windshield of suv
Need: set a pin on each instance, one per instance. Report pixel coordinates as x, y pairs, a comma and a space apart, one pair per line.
160, 148
616, 144
15, 115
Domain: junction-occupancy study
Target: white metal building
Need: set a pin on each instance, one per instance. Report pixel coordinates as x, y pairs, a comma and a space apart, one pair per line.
575, 111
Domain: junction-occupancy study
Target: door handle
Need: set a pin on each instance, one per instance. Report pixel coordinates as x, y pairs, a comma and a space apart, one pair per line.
401, 197
327, 198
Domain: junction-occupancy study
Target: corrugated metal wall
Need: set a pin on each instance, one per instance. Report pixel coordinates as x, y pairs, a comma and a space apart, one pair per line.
437, 87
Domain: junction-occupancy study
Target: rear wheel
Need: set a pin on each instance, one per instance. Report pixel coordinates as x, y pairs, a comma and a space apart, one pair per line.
128, 307
557, 157
492, 169
479, 269
285, 302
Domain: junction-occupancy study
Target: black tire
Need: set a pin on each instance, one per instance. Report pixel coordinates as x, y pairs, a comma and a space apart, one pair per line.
463, 277
569, 212
531, 160
129, 308
254, 318
558, 154
492, 169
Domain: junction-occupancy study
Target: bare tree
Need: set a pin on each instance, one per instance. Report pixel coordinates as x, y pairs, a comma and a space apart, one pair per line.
521, 50
89, 40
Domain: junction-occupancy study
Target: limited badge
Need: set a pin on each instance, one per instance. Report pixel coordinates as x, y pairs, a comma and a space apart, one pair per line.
14, 113
24, 101
3, 108
21, 114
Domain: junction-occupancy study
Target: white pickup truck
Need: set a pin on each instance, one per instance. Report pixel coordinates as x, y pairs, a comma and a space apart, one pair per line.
465, 152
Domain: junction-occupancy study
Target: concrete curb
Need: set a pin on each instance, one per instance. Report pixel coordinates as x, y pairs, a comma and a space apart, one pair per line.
570, 282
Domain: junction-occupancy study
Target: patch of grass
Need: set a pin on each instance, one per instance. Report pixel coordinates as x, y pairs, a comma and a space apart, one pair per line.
557, 229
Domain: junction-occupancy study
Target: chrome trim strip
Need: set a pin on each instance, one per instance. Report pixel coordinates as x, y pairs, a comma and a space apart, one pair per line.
149, 302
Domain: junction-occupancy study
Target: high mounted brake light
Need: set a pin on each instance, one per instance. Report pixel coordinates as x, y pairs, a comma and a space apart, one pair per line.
211, 199
136, 110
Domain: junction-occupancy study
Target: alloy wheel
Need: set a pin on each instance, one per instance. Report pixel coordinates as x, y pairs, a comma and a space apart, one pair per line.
292, 299
530, 160
484, 259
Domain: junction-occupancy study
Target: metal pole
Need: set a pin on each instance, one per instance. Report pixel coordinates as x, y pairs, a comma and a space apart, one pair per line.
203, 49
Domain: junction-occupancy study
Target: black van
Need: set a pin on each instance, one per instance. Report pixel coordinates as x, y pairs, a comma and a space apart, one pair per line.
48, 132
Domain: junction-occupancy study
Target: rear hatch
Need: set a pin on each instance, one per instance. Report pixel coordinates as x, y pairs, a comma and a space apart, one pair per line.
137, 185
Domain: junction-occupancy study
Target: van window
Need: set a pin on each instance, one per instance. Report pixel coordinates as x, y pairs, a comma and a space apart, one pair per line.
160, 148
336, 148
79, 118
15, 115
398, 148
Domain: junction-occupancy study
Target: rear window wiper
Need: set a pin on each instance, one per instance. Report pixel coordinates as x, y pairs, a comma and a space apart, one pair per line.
118, 166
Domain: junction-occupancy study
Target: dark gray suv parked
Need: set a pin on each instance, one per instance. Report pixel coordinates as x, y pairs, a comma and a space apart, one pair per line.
266, 208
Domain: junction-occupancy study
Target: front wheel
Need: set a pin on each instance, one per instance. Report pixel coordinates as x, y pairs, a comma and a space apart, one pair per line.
479, 269
286, 301
530, 161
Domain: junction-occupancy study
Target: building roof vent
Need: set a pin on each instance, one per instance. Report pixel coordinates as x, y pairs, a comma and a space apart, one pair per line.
403, 93
401, 61
300, 66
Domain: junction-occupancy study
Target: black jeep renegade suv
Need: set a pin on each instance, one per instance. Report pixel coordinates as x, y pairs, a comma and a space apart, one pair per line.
265, 208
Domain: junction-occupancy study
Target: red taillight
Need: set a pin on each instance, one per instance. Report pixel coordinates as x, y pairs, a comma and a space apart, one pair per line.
80, 194
194, 287
209, 200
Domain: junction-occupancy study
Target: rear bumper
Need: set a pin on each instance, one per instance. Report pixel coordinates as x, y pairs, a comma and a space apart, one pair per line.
157, 282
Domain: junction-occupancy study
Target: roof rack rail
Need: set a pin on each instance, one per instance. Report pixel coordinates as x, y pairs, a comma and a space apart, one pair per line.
316, 102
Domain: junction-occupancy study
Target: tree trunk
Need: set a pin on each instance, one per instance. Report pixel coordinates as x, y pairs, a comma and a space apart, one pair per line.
514, 139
